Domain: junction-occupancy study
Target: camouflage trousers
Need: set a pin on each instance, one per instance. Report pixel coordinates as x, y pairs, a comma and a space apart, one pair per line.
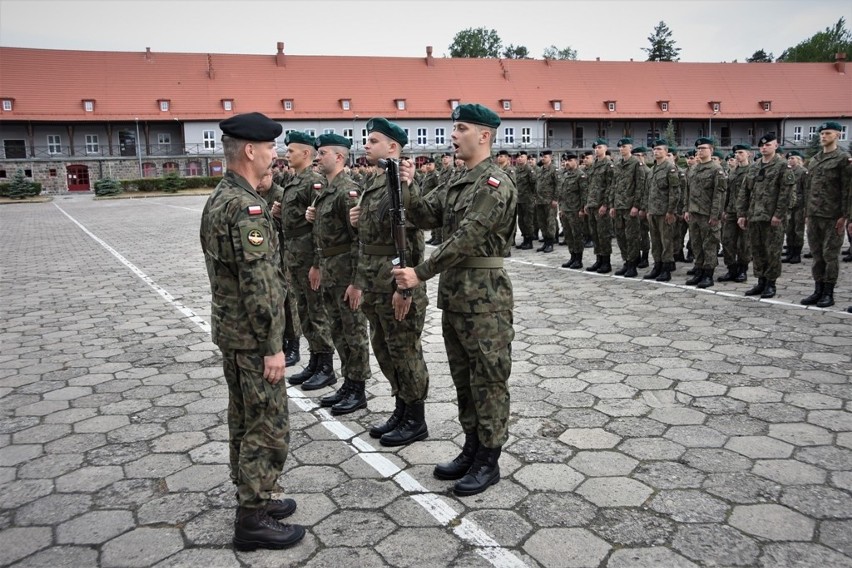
679, 232
661, 238
397, 345
705, 241
825, 245
526, 219
573, 227
479, 351
349, 334
292, 327
626, 234
601, 228
766, 242
545, 216
312, 312
796, 229
644, 235
258, 427
735, 242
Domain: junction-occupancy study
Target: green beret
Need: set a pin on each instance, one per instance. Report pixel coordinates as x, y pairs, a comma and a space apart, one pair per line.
600, 142
253, 126
794, 153
569, 156
730, 156
389, 129
332, 140
719, 154
746, 147
701, 141
624, 141
546, 153
691, 153
639, 150
769, 137
476, 114
661, 142
830, 125
588, 153
296, 137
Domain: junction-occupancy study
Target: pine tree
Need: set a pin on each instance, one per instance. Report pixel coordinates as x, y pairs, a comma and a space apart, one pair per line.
19, 187
662, 46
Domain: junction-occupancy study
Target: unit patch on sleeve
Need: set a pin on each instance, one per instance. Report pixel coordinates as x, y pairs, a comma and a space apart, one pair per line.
493, 181
254, 210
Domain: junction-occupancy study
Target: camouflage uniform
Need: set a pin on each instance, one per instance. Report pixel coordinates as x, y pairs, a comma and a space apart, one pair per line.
704, 199
337, 250
644, 224
829, 197
681, 227
293, 329
735, 243
600, 180
444, 179
475, 293
241, 251
796, 217
430, 182
572, 197
765, 194
546, 186
526, 197
662, 195
625, 193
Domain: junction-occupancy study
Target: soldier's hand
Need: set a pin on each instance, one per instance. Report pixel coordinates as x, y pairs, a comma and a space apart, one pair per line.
686, 217
406, 171
612, 213
602, 211
405, 278
354, 215
353, 296
775, 221
276, 209
554, 204
670, 218
634, 211
581, 213
742, 223
643, 215
713, 221
314, 278
273, 367
840, 226
400, 306
311, 214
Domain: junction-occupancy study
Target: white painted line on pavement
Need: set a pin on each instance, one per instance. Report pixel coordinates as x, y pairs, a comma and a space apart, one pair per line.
173, 206
487, 547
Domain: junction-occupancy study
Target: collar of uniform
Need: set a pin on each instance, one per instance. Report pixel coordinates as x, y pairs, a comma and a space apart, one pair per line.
242, 182
473, 174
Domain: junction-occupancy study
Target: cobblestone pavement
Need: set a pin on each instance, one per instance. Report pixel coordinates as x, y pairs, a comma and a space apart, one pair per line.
653, 425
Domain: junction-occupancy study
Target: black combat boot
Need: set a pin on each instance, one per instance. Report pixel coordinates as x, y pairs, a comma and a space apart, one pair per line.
379, 430
596, 265
527, 244
693, 271
742, 275
578, 262
733, 270
656, 271
757, 288
254, 528
305, 373
795, 257
678, 256
354, 399
690, 257
643, 260
621, 271
697, 275
277, 508
605, 267
338, 395
324, 374
291, 352
631, 269
815, 297
548, 245
849, 309
456, 468
769, 290
484, 472
665, 272
706, 279
412, 427
571, 261
827, 298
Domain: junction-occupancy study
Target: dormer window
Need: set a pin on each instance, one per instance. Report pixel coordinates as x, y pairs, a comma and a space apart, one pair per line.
454, 103
89, 105
164, 105
664, 105
228, 104
610, 105
8, 104
767, 105
400, 104
346, 104
557, 105
287, 104
716, 106
507, 104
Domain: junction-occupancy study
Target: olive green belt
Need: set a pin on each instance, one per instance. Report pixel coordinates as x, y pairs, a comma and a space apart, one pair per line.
293, 233
377, 250
334, 251
481, 262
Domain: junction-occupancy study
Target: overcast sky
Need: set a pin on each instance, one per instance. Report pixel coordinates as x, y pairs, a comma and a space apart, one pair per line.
615, 30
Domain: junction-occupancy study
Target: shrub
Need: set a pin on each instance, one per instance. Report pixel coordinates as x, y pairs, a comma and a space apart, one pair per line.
20, 187
107, 186
172, 182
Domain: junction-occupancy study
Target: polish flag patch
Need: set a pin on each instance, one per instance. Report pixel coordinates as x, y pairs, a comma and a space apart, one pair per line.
493, 181
317, 186
255, 210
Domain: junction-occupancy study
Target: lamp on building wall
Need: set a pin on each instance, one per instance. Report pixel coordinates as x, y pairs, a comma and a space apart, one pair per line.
138, 147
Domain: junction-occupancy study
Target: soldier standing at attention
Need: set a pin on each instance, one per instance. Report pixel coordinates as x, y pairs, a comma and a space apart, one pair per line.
448, 172
572, 198
735, 244
706, 184
299, 256
625, 197
430, 179
396, 322
762, 209
475, 294
644, 229
241, 252
600, 179
662, 195
546, 184
796, 217
525, 182
337, 246
829, 207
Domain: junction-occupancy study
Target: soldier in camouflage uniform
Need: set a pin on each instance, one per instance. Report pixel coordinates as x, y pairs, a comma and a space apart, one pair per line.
706, 185
641, 153
829, 207
625, 195
796, 218
660, 198
525, 182
430, 179
475, 294
681, 229
546, 185
572, 199
762, 204
444, 177
396, 322
735, 242
337, 249
241, 252
600, 180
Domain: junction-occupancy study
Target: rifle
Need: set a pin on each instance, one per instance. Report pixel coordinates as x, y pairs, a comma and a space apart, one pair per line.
397, 208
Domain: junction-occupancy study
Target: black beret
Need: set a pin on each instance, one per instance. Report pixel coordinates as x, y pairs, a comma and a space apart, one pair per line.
768, 137
296, 137
708, 141
522, 153
588, 153
253, 126
428, 160
569, 156
389, 129
746, 147
794, 153
476, 114
546, 152
332, 140
718, 154
503, 153
691, 153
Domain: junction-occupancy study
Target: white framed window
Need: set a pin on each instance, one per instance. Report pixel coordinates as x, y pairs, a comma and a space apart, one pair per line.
209, 137
345, 104
717, 107
328, 130
164, 106
92, 145
557, 105
407, 133
812, 132
89, 106
364, 134
7, 105
767, 105
611, 106
664, 106
797, 134
454, 103
750, 132
440, 136
288, 104
164, 139
311, 131
400, 104
844, 133
54, 144
348, 133
421, 137
509, 135
526, 135
507, 104
228, 104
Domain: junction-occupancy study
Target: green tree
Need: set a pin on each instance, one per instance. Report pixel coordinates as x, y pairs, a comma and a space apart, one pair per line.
172, 182
20, 186
553, 52
107, 186
670, 135
822, 46
760, 56
662, 45
516, 52
476, 42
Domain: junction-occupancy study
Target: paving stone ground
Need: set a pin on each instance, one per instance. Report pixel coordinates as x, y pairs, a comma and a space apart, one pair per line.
652, 425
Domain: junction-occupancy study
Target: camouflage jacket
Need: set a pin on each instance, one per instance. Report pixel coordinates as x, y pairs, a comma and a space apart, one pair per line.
829, 185
240, 246
297, 238
446, 175
766, 190
336, 240
525, 182
546, 185
706, 185
430, 182
663, 189
376, 244
573, 192
735, 184
477, 213
628, 177
797, 200
600, 180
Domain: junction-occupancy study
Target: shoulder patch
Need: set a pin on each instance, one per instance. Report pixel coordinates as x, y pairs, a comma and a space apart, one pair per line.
317, 186
254, 210
671, 171
493, 181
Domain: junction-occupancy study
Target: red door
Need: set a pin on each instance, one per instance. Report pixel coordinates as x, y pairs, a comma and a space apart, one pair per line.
78, 178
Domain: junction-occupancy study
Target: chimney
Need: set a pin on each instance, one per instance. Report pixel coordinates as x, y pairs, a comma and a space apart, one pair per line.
840, 62
148, 53
211, 74
597, 58
279, 57
430, 61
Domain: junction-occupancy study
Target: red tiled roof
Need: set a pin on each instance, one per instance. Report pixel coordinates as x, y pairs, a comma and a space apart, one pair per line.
49, 85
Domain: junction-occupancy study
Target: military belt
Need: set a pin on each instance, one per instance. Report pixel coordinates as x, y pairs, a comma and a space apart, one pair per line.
481, 262
334, 251
377, 250
293, 233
